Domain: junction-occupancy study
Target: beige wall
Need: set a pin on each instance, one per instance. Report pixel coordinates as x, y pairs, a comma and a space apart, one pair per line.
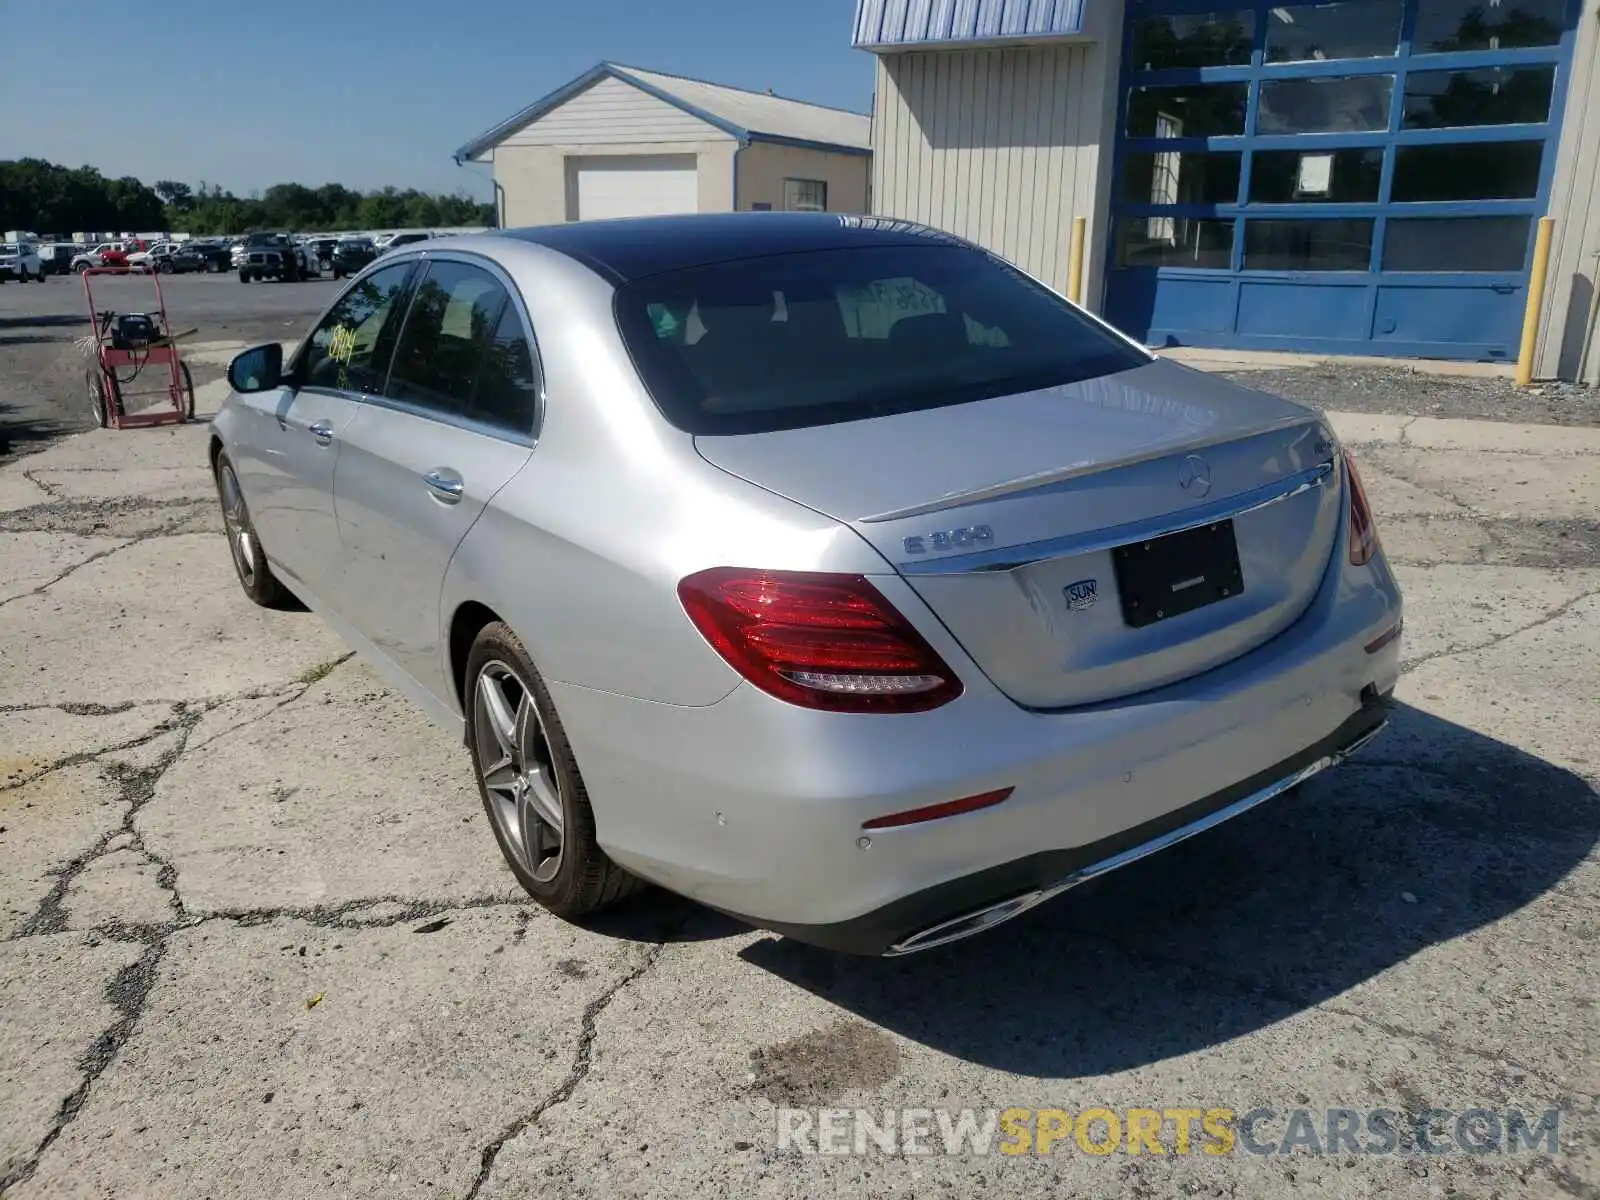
533, 179
1004, 147
1574, 274
614, 112
763, 166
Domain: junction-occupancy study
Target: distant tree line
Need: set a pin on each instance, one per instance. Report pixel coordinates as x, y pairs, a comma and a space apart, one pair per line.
47, 198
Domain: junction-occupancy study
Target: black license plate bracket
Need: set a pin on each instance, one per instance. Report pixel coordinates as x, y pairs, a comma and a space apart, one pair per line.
1168, 576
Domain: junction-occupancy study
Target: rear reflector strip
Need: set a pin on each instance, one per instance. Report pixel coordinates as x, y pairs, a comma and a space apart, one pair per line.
1383, 639
950, 808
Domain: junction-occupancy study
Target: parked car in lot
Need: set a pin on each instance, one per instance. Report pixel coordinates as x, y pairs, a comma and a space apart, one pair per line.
210, 257
107, 254
835, 574
158, 257
398, 240
272, 256
56, 257
324, 248
350, 255
20, 261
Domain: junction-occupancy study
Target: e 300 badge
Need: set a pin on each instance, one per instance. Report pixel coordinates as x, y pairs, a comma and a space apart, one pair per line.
949, 539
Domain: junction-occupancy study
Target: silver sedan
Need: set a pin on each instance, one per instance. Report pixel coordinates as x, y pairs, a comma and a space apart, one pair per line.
826, 570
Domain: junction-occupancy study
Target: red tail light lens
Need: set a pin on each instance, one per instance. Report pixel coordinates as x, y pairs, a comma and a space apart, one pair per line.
1363, 532
818, 640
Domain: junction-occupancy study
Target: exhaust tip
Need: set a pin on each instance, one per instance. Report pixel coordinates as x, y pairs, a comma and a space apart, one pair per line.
968, 925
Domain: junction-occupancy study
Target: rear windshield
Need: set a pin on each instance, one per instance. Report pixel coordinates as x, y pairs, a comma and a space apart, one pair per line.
839, 335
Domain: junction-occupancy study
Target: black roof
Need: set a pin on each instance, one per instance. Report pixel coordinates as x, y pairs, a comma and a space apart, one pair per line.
634, 247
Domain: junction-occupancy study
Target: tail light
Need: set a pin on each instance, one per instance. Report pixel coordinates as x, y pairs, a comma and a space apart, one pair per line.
818, 640
1363, 532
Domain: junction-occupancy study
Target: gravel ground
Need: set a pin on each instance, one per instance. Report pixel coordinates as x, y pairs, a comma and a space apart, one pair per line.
1344, 388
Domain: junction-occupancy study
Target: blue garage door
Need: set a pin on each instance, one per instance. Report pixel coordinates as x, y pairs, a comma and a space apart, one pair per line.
1359, 177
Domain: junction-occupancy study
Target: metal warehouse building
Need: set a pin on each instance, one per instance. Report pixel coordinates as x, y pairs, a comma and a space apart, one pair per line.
623, 142
1363, 176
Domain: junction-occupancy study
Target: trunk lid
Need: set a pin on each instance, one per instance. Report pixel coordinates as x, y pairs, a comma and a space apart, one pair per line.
1043, 528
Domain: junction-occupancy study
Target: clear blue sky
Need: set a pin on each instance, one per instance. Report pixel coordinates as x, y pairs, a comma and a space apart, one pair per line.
367, 92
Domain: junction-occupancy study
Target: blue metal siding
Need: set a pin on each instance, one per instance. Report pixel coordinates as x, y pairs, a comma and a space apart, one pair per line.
886, 24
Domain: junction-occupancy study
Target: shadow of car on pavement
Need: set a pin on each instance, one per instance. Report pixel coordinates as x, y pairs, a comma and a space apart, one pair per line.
1431, 832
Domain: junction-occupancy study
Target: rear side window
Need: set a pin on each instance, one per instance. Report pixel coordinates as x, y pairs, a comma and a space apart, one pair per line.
463, 352
814, 338
348, 350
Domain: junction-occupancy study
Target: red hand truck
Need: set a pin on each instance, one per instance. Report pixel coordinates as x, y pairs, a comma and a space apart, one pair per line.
124, 347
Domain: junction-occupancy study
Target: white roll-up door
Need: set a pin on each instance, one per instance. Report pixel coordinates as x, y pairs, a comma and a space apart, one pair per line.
636, 185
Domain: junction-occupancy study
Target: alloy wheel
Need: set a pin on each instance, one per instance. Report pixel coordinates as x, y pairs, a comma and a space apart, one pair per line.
241, 534
517, 769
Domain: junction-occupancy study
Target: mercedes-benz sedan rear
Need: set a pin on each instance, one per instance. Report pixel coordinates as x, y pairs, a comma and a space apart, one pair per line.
827, 570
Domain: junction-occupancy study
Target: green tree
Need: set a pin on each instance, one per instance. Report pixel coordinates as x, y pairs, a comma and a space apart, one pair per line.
176, 196
49, 198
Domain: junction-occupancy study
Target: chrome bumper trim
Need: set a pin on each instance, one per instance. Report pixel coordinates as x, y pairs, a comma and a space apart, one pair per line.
972, 923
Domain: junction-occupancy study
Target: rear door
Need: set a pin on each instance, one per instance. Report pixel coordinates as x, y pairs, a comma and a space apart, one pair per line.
286, 463
454, 424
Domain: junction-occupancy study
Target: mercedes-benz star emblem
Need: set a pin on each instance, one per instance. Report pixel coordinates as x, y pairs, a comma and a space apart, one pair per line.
1194, 476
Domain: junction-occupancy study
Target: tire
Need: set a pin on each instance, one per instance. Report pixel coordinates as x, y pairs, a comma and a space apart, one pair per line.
101, 401
188, 391
244, 276
163, 268
576, 877
249, 560
83, 268
212, 266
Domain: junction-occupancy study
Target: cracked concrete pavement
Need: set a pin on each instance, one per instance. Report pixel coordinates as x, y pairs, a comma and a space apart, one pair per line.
257, 940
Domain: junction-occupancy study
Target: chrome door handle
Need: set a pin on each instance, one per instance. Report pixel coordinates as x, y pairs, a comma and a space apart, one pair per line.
322, 431
447, 488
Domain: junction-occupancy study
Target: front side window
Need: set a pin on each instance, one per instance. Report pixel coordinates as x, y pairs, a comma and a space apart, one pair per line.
349, 349
458, 355
805, 195
814, 338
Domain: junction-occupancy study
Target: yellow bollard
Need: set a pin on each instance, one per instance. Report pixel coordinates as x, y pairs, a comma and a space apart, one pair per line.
1530, 316
1075, 261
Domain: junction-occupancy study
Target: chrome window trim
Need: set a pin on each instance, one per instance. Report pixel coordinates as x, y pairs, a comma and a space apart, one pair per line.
421, 259
1011, 558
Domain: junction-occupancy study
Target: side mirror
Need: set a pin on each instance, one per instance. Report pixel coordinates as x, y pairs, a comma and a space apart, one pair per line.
259, 369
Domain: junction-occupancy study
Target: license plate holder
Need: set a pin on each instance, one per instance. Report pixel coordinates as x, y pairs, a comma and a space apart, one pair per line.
1168, 576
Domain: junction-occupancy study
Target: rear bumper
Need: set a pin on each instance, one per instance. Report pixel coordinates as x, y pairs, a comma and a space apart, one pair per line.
974, 903
756, 807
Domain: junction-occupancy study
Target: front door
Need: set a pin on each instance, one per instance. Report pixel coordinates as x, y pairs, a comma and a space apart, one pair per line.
420, 463
1361, 176
298, 430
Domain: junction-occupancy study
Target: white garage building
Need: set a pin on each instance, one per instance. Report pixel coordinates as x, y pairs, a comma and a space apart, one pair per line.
624, 142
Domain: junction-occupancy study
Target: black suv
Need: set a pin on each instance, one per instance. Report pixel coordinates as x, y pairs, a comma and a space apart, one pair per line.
269, 256
210, 257
351, 254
